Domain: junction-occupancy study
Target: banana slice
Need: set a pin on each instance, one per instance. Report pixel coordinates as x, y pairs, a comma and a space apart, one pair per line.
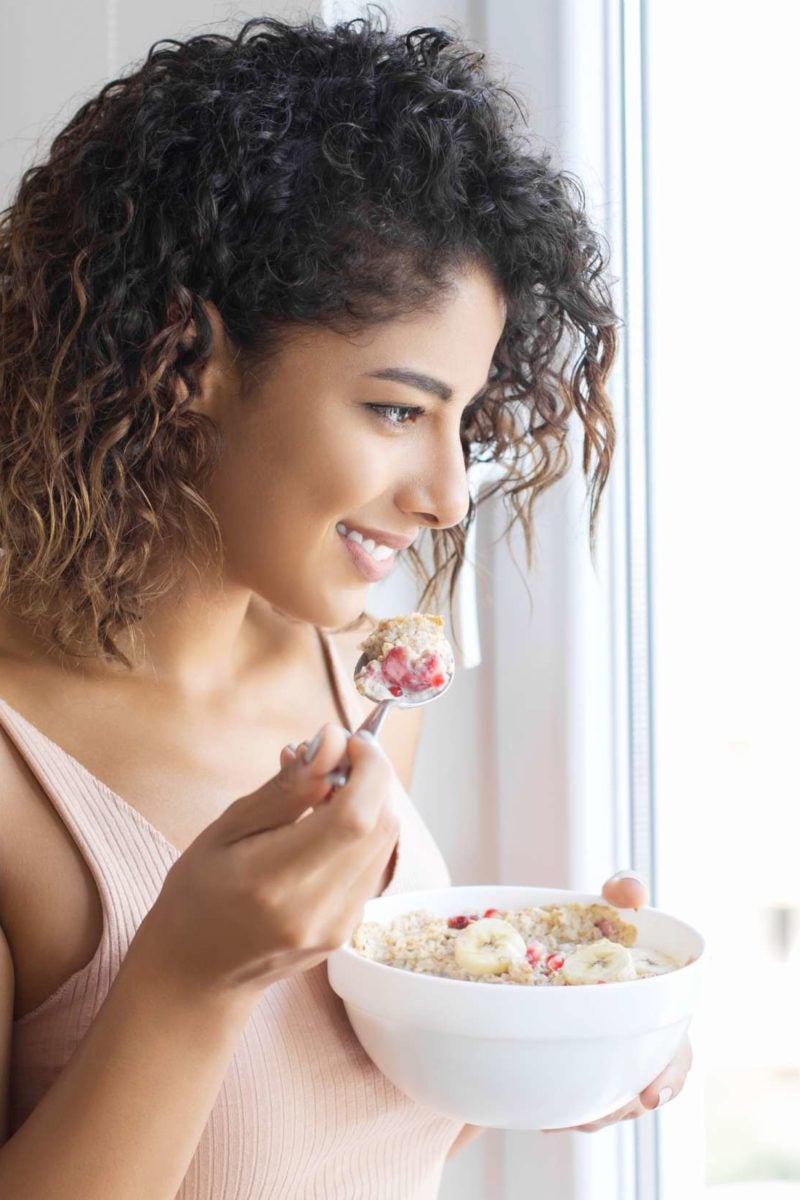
603, 960
488, 947
651, 962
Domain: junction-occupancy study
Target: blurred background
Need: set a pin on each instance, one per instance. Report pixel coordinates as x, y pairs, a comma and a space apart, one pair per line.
641, 711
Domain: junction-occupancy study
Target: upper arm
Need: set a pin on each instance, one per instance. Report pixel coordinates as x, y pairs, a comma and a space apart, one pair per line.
6, 1020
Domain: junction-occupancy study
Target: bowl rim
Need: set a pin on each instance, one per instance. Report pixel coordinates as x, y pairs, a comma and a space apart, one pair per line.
349, 953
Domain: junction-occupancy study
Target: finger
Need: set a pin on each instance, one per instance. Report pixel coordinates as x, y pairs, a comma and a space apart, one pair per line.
324, 843
626, 889
365, 886
364, 753
288, 754
628, 1112
299, 785
367, 792
669, 1083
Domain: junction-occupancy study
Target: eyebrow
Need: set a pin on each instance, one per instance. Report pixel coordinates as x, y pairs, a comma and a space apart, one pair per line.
423, 383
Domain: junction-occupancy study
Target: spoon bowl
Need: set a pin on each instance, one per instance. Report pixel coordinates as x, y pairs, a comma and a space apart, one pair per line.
408, 699
339, 775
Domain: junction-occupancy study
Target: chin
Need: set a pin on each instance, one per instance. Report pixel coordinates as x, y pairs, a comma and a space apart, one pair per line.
334, 611
343, 611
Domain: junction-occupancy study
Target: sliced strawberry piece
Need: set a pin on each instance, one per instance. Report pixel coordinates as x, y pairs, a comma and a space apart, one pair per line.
554, 962
533, 955
458, 922
492, 912
395, 664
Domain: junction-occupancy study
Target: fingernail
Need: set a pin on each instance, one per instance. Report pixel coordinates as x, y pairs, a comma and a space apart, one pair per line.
313, 747
664, 1096
291, 746
336, 778
365, 735
627, 874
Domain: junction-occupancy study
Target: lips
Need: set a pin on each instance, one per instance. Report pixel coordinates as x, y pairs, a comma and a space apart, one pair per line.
365, 564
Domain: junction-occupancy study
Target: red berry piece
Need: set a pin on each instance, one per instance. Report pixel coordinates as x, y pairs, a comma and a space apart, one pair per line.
554, 962
602, 981
457, 922
533, 954
492, 912
395, 690
394, 665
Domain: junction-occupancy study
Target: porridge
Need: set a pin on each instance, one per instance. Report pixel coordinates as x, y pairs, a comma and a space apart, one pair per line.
406, 655
551, 945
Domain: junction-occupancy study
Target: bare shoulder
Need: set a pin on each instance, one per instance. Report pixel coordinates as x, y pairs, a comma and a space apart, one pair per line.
9, 783
14, 790
18, 792
7, 986
401, 733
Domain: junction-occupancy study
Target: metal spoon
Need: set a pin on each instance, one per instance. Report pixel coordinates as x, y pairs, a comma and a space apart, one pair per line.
339, 775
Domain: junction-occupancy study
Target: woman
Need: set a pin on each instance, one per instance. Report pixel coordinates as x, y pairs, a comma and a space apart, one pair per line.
265, 292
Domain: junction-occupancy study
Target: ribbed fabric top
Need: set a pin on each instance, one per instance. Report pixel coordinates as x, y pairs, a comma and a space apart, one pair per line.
303, 1113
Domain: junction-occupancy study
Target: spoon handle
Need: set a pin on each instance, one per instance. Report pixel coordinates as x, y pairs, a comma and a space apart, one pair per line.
375, 720
341, 772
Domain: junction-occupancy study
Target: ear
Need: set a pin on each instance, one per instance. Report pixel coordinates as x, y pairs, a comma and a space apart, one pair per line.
217, 379
213, 315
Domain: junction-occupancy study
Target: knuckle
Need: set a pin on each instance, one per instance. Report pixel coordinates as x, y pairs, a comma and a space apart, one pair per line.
242, 871
354, 821
388, 818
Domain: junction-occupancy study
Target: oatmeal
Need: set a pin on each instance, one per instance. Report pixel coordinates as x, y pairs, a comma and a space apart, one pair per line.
407, 655
552, 945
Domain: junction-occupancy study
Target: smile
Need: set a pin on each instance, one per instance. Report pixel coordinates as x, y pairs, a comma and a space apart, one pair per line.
372, 560
374, 549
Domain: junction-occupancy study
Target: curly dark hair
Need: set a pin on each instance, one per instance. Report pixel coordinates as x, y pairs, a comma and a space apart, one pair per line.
288, 174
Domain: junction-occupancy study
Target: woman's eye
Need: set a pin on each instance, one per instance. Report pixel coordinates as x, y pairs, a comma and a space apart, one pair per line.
396, 414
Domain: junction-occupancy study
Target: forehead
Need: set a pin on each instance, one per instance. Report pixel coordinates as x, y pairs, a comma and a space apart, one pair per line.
454, 343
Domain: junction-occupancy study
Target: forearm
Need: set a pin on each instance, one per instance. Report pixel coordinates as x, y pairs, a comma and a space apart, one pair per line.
467, 1134
124, 1117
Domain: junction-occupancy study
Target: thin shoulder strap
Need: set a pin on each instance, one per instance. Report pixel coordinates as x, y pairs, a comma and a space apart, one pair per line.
348, 716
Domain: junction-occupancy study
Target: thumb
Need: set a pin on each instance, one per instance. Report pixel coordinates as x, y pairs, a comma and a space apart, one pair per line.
299, 784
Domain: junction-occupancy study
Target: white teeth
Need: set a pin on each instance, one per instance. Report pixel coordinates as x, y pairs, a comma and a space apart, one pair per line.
377, 551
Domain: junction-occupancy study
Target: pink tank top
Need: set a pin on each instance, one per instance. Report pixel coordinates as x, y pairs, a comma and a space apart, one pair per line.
303, 1113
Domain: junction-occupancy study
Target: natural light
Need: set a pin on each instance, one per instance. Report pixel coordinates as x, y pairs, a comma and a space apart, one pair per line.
723, 97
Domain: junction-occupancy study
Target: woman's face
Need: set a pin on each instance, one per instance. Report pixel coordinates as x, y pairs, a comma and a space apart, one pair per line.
324, 446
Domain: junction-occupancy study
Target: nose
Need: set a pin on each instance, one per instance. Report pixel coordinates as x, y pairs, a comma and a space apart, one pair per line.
436, 492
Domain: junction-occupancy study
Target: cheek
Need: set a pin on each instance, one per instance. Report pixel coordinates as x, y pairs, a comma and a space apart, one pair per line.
300, 481
331, 470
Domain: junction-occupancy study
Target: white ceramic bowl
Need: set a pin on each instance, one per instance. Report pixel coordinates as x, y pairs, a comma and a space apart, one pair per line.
509, 1056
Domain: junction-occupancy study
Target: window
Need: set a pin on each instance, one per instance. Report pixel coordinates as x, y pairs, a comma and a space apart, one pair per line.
722, 96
